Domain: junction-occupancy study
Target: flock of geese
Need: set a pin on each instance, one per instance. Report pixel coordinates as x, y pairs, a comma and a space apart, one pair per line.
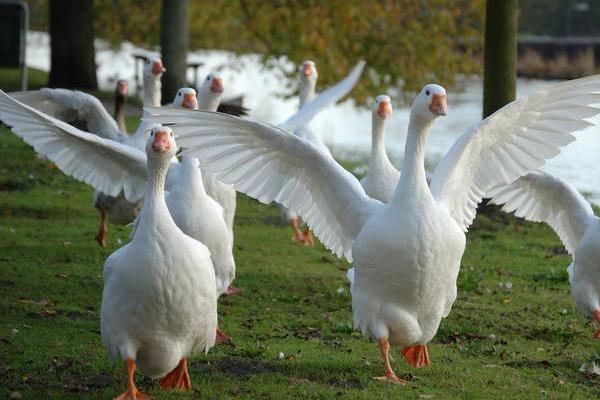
403, 231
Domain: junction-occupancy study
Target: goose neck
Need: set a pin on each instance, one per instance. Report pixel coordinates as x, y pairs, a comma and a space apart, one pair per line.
155, 206
413, 166
120, 112
152, 88
307, 93
377, 137
209, 103
189, 179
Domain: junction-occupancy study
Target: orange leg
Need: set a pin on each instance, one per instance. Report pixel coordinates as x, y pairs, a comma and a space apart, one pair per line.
232, 290
389, 376
221, 337
416, 355
131, 393
597, 316
101, 236
178, 379
308, 237
298, 235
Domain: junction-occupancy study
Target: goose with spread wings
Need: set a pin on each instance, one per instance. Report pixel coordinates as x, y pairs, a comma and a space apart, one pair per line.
540, 197
406, 254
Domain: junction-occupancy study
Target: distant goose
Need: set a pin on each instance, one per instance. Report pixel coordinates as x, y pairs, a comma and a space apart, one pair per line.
406, 254
540, 197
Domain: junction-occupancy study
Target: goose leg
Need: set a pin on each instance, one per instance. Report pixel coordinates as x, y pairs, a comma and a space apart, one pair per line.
308, 237
298, 235
597, 316
232, 290
221, 337
389, 376
132, 393
178, 378
101, 236
416, 355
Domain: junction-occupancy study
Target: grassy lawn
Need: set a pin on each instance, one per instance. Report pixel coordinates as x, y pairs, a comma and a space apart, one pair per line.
498, 342
10, 79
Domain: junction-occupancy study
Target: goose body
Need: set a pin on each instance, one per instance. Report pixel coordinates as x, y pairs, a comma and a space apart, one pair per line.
382, 177
406, 253
159, 298
540, 197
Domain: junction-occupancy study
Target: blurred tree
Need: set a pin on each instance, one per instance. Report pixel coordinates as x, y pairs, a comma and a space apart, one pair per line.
406, 43
174, 46
72, 61
500, 65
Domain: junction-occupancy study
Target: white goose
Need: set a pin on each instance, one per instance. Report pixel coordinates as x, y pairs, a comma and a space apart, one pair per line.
406, 254
540, 197
299, 123
121, 92
382, 177
159, 303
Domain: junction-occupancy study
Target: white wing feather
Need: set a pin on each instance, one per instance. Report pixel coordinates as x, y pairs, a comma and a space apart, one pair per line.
104, 164
73, 106
328, 97
514, 140
540, 197
270, 164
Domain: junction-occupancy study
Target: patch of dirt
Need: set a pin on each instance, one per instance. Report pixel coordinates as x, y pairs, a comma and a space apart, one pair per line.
235, 366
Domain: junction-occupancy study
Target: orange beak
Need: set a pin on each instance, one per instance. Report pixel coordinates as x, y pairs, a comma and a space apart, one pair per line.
216, 86
384, 110
307, 69
438, 105
123, 88
157, 67
189, 101
161, 141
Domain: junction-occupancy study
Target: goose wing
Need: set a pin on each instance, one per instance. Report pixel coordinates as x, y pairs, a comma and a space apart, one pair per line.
271, 164
540, 197
514, 140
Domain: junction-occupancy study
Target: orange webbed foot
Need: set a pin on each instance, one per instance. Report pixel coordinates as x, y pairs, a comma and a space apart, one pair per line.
132, 393
391, 377
221, 337
231, 290
178, 379
416, 355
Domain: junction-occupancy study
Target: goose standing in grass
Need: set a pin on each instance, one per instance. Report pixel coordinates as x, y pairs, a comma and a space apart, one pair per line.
121, 92
309, 106
382, 177
406, 253
540, 197
159, 303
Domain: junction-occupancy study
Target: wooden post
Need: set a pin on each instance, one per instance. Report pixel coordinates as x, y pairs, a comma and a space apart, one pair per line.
174, 46
500, 66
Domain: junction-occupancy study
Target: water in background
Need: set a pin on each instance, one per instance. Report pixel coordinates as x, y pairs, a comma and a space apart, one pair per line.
344, 127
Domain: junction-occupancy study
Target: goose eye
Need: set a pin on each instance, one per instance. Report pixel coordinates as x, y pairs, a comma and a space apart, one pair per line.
427, 92
178, 94
151, 133
208, 78
171, 134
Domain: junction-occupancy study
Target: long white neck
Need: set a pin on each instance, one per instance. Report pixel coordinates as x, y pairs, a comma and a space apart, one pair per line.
152, 88
208, 101
378, 139
154, 211
189, 181
307, 91
413, 179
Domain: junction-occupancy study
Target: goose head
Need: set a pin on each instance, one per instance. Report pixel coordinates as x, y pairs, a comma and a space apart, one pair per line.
382, 107
186, 98
122, 87
308, 75
161, 143
153, 67
430, 103
209, 93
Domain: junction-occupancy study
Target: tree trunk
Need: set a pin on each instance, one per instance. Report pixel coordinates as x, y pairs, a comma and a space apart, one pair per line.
72, 61
174, 46
500, 66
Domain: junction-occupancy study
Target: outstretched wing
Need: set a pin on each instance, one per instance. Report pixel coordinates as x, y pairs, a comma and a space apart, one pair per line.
328, 97
271, 164
104, 164
540, 197
73, 107
514, 140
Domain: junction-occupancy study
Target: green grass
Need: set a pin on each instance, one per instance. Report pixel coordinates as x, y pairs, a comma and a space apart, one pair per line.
525, 343
10, 79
